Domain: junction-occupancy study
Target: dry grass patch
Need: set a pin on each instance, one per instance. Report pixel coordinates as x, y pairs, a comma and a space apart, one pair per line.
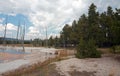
112, 72
104, 50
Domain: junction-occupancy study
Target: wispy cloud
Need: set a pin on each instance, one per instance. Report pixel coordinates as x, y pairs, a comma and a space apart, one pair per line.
52, 14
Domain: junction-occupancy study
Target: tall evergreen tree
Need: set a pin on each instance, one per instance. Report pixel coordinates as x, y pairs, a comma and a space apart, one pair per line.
104, 29
110, 24
74, 33
94, 24
51, 41
66, 34
83, 27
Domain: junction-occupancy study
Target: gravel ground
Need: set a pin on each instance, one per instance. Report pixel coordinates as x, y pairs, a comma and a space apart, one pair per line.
105, 66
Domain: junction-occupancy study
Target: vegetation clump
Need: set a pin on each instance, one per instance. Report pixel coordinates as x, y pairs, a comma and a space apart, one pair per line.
115, 49
87, 50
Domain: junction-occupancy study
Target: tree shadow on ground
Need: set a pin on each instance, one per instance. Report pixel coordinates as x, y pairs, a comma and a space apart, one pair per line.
83, 73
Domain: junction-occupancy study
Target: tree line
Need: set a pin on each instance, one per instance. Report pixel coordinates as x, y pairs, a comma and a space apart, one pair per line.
89, 32
103, 28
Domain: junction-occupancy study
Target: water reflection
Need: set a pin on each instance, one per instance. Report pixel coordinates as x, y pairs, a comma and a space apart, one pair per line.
11, 54
13, 51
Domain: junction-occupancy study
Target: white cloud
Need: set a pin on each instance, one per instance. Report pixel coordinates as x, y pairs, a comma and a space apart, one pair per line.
1, 27
10, 32
2, 19
33, 30
52, 14
10, 26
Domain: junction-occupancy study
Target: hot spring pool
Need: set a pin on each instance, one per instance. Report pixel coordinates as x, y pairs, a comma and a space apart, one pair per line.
11, 54
13, 51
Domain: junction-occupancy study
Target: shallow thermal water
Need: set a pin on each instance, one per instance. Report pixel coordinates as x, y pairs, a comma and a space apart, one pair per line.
11, 58
11, 54
13, 51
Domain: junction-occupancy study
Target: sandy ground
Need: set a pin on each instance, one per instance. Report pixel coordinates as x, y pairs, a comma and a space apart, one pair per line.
14, 61
105, 66
7, 66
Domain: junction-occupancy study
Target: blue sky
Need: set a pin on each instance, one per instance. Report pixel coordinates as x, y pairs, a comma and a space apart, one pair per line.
14, 19
41, 14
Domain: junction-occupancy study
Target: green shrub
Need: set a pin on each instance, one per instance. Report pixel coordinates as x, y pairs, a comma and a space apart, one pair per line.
115, 49
112, 49
87, 49
81, 49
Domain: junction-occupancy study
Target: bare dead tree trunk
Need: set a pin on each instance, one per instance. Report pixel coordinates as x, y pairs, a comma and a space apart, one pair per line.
46, 37
23, 35
18, 29
4, 41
